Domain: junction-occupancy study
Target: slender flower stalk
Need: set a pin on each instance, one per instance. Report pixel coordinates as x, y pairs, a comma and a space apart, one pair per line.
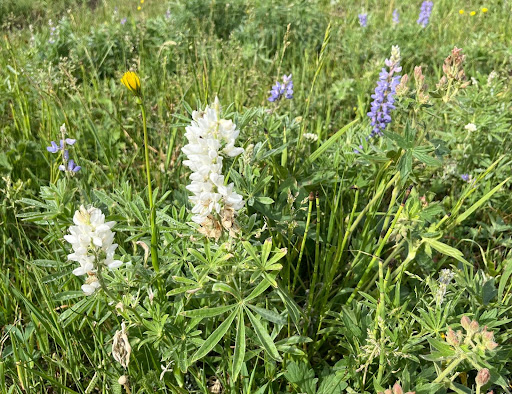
132, 82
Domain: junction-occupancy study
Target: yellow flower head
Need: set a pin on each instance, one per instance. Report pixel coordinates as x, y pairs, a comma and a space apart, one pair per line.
484, 10
472, 13
141, 1
139, 8
461, 12
132, 82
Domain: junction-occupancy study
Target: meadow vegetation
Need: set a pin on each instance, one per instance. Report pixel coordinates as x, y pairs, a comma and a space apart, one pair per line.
278, 197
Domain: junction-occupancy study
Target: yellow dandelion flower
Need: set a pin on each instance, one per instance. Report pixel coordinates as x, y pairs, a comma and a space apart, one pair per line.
461, 12
472, 13
139, 8
132, 82
484, 10
141, 1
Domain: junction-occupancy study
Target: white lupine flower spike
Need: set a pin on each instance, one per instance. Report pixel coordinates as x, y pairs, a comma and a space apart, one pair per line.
92, 242
210, 139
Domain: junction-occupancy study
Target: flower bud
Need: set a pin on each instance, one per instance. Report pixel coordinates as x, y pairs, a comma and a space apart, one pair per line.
465, 322
483, 377
397, 389
473, 327
487, 335
452, 338
132, 82
123, 379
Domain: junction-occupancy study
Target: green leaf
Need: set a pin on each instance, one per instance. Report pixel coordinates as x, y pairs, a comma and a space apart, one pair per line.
479, 203
294, 310
264, 200
239, 354
332, 384
446, 250
488, 291
269, 315
301, 376
47, 263
68, 295
327, 144
208, 312
259, 289
214, 338
225, 289
263, 336
445, 349
507, 272
405, 165
294, 340
424, 158
182, 289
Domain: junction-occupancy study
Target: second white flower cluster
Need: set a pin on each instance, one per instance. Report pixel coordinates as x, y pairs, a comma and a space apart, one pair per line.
92, 242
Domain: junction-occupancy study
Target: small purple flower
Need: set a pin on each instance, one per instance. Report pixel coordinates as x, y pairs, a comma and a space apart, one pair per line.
384, 96
358, 149
396, 17
54, 148
280, 89
168, 14
466, 177
72, 167
123, 21
363, 20
425, 11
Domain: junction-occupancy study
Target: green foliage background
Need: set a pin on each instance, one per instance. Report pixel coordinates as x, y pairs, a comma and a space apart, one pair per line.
343, 295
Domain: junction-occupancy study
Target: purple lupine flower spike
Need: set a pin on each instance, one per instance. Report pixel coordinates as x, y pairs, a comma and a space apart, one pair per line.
280, 89
384, 96
396, 17
54, 148
363, 20
123, 21
66, 155
425, 11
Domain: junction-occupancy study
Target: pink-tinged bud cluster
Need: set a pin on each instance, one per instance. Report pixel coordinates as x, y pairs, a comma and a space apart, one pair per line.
478, 338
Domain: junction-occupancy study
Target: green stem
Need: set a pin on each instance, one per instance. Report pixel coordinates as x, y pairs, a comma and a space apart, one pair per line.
311, 198
317, 258
152, 217
448, 369
381, 246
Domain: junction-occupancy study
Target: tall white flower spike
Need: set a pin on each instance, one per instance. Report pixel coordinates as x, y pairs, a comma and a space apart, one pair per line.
210, 139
